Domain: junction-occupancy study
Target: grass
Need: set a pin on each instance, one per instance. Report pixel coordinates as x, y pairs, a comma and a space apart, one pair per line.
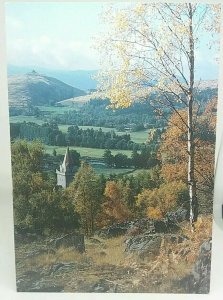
85, 152
61, 255
111, 171
20, 119
137, 137
56, 109
107, 259
110, 253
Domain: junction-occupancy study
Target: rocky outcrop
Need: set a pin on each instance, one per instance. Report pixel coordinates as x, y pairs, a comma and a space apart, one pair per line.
180, 215
144, 245
73, 240
147, 245
198, 282
33, 281
139, 226
202, 269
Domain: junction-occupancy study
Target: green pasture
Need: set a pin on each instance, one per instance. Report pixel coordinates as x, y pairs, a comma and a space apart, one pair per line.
20, 119
111, 171
56, 109
85, 152
137, 137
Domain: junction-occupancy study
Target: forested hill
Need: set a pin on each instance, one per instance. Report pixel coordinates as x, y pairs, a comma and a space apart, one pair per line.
37, 89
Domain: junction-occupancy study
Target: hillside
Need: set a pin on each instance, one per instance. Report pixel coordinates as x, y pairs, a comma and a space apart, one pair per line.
82, 79
37, 89
82, 99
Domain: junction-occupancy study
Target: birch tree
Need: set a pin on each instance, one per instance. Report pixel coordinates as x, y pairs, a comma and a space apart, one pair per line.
150, 49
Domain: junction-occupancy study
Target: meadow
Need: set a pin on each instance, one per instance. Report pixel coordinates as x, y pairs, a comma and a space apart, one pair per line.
137, 137
85, 152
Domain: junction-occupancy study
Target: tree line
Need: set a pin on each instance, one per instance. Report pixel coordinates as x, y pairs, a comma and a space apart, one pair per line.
97, 113
49, 134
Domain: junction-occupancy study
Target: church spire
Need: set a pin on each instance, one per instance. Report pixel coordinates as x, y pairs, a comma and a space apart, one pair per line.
67, 170
67, 162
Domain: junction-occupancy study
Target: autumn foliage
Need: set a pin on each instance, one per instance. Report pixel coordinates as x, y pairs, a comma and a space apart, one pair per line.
115, 207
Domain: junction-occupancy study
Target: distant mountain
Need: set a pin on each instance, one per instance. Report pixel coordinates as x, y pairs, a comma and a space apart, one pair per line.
81, 79
206, 84
37, 89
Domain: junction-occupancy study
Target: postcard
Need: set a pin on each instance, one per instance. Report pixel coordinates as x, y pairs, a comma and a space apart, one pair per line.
113, 111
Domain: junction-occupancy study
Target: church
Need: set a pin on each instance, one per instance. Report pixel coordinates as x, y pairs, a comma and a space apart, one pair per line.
67, 170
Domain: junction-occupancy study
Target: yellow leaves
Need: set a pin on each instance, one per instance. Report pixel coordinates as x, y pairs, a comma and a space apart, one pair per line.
161, 199
121, 21
140, 9
154, 213
114, 206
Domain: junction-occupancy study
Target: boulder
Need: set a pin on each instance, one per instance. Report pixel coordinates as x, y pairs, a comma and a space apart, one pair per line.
75, 241
113, 230
146, 245
165, 226
180, 215
202, 269
198, 282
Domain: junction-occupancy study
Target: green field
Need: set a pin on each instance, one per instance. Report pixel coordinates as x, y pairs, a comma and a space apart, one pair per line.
56, 109
20, 119
111, 171
137, 137
85, 152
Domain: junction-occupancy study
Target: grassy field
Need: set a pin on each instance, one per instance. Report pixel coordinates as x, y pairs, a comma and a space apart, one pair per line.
111, 171
137, 137
20, 119
85, 152
56, 109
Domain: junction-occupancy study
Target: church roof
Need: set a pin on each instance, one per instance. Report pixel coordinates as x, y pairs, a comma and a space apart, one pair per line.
68, 162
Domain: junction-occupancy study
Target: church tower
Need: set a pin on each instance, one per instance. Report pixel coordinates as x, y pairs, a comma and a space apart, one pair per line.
67, 170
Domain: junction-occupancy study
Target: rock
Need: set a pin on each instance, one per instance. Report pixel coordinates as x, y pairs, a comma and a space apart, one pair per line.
26, 280
140, 226
100, 286
198, 282
143, 225
70, 240
39, 252
144, 245
174, 238
113, 230
62, 267
46, 288
95, 241
202, 269
180, 215
165, 226
33, 281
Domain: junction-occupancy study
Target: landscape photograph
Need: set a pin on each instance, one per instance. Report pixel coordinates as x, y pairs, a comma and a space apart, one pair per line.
112, 111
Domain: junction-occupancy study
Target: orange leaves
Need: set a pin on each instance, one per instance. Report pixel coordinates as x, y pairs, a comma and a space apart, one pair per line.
161, 200
154, 213
173, 151
114, 206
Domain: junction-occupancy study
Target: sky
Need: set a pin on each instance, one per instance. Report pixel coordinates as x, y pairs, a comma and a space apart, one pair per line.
54, 35
60, 35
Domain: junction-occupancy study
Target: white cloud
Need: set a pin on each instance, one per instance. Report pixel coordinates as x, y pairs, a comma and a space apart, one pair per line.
14, 24
50, 52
